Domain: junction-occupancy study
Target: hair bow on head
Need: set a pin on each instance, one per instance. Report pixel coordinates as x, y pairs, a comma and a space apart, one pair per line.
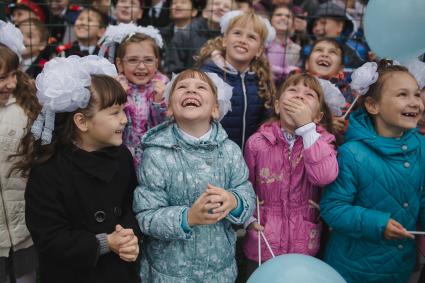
62, 86
12, 37
333, 97
115, 34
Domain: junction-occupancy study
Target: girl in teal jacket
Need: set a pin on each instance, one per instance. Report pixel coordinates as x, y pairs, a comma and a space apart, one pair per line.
379, 193
193, 187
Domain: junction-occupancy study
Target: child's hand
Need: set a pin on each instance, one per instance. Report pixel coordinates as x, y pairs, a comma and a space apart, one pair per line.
220, 196
199, 213
128, 251
299, 111
255, 226
158, 90
338, 125
119, 238
396, 231
123, 81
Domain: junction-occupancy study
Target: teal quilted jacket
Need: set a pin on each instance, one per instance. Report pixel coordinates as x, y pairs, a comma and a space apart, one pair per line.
379, 178
173, 174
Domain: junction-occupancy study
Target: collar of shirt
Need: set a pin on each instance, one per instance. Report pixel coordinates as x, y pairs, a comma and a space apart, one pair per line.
90, 49
204, 137
26, 63
157, 8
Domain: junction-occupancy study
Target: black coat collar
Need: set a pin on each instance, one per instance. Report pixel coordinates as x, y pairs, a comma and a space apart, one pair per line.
102, 164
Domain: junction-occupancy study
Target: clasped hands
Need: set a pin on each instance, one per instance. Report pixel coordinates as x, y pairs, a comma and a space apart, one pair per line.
212, 206
124, 243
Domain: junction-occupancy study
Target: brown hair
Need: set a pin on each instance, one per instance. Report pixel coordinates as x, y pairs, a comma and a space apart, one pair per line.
105, 92
385, 68
136, 38
310, 82
260, 64
25, 88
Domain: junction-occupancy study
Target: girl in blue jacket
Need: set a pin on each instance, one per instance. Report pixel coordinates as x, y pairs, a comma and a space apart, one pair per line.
379, 193
238, 57
193, 185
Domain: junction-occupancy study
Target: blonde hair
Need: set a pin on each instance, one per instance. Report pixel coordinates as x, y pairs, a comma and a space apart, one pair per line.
260, 65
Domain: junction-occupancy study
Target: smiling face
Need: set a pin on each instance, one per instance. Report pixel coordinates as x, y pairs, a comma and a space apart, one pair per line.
140, 63
242, 44
8, 83
182, 10
215, 9
88, 28
325, 59
327, 27
127, 11
105, 128
193, 100
400, 106
282, 20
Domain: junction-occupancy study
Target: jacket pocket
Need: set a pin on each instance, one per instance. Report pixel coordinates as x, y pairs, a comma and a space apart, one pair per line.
312, 233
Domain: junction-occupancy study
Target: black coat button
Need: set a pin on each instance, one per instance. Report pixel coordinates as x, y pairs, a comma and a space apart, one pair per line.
100, 216
117, 211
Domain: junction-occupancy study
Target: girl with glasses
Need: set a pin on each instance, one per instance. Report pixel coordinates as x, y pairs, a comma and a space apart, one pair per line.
137, 60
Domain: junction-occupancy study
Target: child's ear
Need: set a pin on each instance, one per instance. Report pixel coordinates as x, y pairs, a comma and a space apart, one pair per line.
81, 122
215, 113
260, 51
371, 106
276, 106
119, 64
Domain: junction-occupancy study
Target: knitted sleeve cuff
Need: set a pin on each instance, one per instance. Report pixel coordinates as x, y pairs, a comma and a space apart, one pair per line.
103, 243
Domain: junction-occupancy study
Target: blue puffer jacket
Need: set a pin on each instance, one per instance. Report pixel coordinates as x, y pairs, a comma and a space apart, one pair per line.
173, 174
379, 178
248, 109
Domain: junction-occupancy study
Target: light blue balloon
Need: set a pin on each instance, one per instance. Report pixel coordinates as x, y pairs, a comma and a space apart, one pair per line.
395, 28
295, 268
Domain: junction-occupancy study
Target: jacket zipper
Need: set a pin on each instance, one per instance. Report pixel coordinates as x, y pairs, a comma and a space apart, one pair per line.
244, 110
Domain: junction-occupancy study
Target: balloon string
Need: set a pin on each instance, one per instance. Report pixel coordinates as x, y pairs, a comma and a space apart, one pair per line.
351, 107
267, 244
259, 233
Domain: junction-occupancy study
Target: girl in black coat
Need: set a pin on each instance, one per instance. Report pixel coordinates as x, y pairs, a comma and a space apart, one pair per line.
81, 182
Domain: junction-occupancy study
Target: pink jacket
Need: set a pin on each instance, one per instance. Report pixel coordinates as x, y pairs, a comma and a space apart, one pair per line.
289, 184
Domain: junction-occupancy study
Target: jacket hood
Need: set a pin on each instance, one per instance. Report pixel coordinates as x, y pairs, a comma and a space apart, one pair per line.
361, 128
332, 10
168, 135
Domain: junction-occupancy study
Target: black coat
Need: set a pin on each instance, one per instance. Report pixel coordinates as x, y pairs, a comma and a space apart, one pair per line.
71, 198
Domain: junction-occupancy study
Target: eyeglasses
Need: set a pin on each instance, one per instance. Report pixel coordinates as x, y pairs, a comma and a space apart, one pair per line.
148, 62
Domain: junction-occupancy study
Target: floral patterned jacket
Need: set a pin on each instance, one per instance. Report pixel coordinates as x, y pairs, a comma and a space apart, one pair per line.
174, 172
142, 114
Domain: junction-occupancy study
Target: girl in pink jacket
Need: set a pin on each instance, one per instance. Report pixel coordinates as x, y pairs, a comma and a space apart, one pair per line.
289, 159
